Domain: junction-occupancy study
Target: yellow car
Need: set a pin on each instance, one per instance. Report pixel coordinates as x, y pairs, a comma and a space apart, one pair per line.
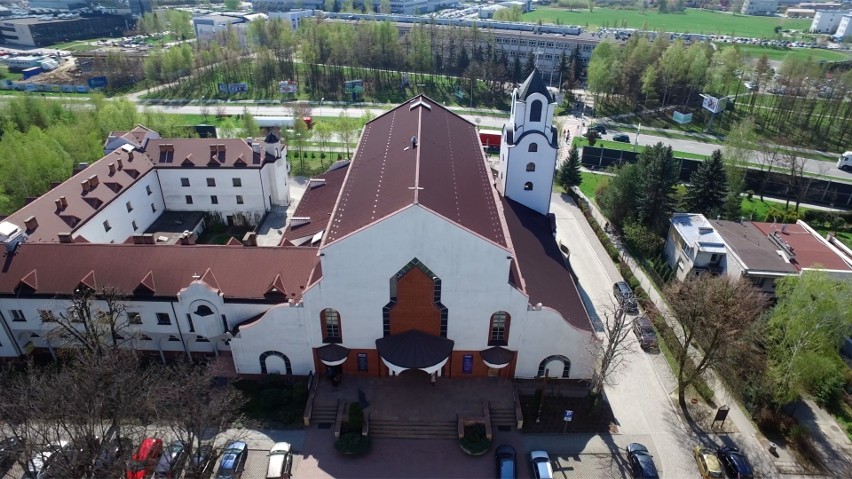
708, 463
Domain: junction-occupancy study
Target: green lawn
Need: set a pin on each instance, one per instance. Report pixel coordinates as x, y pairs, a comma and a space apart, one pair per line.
580, 142
590, 183
692, 21
777, 53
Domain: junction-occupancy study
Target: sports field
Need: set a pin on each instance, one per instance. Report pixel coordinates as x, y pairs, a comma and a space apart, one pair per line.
780, 54
691, 21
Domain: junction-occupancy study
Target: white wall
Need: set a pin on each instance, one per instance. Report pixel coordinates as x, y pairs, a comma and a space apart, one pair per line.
120, 220
284, 329
547, 334
516, 175
255, 195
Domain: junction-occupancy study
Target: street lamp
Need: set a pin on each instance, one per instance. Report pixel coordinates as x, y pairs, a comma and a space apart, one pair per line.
301, 160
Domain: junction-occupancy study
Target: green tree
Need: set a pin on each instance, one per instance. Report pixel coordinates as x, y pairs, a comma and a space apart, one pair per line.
569, 175
708, 187
657, 180
737, 151
250, 126
232, 5
811, 319
618, 197
301, 133
328, 5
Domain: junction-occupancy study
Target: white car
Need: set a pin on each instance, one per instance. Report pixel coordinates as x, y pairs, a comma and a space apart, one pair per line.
37, 465
280, 461
540, 462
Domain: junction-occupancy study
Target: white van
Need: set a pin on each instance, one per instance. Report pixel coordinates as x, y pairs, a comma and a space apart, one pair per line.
845, 161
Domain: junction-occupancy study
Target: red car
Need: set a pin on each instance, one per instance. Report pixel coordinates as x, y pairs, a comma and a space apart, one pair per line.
145, 458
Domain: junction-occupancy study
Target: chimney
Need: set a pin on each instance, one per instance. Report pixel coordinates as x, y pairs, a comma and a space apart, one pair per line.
138, 239
188, 238
256, 147
111, 169
58, 204
65, 238
129, 157
250, 239
148, 238
119, 162
93, 181
249, 140
64, 201
85, 185
31, 223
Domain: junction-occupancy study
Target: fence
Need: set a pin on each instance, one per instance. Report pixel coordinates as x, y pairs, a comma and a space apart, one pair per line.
817, 191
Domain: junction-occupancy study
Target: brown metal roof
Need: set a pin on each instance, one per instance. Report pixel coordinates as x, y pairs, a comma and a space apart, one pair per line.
105, 179
546, 277
204, 152
752, 246
159, 270
317, 204
445, 173
810, 251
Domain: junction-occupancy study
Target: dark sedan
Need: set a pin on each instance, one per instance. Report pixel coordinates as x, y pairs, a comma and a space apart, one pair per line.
171, 461
734, 463
621, 137
641, 461
507, 462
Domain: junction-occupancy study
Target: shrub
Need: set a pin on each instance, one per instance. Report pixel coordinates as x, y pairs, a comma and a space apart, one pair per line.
642, 240
356, 417
353, 443
475, 441
633, 282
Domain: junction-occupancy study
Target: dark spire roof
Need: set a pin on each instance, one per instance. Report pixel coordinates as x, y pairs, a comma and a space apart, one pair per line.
271, 138
534, 84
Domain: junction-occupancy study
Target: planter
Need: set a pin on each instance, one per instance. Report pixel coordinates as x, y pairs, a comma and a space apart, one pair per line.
353, 444
474, 442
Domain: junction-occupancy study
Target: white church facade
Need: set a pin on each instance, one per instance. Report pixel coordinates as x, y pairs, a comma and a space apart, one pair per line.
411, 256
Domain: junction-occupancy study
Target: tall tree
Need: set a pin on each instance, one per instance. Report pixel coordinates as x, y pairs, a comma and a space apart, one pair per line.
812, 318
615, 349
618, 197
657, 180
569, 175
708, 187
711, 311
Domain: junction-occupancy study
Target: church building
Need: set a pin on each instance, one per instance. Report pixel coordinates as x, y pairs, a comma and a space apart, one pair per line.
413, 255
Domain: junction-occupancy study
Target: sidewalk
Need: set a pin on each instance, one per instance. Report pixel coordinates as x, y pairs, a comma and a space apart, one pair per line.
748, 437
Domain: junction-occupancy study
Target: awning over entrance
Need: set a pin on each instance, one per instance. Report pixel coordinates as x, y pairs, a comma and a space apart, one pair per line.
332, 354
497, 357
414, 350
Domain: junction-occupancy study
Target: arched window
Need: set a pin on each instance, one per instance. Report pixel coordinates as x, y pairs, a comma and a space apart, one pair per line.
531, 166
533, 147
535, 111
331, 331
528, 186
499, 330
546, 367
288, 369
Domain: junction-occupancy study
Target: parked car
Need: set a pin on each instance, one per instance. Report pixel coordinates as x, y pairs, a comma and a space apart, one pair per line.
38, 465
507, 462
624, 296
144, 460
734, 463
171, 461
598, 128
280, 461
200, 463
708, 463
644, 330
112, 454
10, 449
641, 461
233, 461
621, 137
540, 462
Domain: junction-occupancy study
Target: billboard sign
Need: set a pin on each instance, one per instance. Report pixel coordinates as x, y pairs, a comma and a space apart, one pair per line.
229, 88
288, 86
353, 86
97, 82
712, 104
682, 118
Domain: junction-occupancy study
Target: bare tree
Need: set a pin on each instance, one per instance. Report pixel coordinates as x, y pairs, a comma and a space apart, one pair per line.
96, 321
195, 407
767, 159
712, 312
795, 167
613, 351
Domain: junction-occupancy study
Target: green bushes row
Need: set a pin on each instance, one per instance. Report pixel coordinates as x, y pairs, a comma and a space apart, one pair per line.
835, 220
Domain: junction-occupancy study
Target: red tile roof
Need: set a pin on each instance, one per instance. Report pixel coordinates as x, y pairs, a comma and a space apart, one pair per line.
546, 277
317, 204
159, 270
114, 172
810, 251
446, 173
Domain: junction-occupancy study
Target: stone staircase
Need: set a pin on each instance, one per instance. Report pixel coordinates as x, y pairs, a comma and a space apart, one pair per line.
324, 413
504, 416
413, 429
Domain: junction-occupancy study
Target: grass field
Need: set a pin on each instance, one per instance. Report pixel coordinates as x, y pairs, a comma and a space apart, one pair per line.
779, 54
580, 142
692, 21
